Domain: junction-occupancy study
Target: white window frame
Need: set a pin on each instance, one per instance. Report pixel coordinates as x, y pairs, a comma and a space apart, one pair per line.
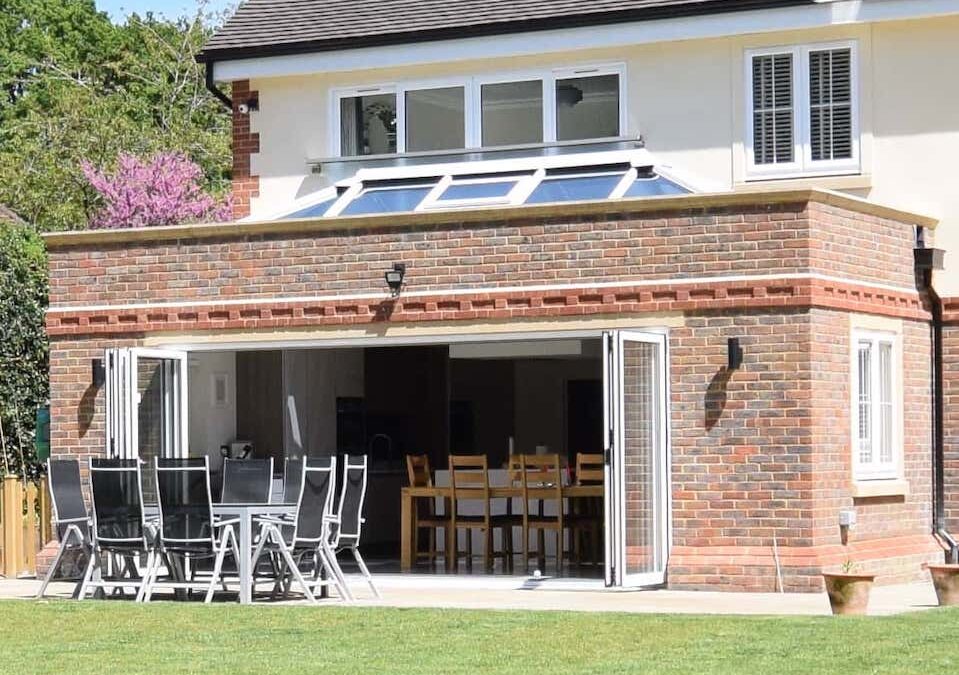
403, 88
473, 100
876, 469
587, 71
336, 95
516, 195
509, 78
802, 164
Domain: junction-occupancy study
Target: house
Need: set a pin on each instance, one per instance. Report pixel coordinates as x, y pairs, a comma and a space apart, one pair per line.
701, 237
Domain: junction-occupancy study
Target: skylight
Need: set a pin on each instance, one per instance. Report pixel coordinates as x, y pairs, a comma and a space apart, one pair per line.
514, 181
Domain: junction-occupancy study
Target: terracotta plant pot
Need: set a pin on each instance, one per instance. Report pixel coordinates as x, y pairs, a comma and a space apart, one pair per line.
848, 593
946, 580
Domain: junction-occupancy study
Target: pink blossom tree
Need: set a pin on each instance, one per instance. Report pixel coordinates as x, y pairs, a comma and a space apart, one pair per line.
165, 189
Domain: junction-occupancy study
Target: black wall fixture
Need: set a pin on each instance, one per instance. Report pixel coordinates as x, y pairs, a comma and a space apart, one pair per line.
734, 353
98, 376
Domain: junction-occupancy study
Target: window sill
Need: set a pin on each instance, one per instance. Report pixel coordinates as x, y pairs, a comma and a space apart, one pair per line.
857, 181
889, 487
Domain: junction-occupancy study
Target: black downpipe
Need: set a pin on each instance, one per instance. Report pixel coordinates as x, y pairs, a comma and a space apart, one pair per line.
213, 89
938, 427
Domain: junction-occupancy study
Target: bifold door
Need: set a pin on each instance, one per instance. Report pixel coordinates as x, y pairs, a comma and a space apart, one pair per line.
637, 461
146, 403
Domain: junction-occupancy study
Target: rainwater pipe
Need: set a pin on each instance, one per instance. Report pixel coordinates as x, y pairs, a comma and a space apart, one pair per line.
927, 260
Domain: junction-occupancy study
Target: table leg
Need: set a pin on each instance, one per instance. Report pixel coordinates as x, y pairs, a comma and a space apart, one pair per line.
243, 564
406, 532
449, 555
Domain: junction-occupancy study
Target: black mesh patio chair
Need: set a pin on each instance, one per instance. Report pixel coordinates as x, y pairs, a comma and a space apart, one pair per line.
308, 541
292, 480
119, 532
348, 520
70, 515
247, 481
188, 531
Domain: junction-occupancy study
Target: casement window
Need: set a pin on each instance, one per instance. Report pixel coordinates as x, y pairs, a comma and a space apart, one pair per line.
875, 406
367, 122
802, 111
480, 112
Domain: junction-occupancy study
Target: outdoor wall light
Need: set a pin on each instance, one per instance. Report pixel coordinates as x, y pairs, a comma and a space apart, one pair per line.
99, 373
734, 354
394, 278
249, 105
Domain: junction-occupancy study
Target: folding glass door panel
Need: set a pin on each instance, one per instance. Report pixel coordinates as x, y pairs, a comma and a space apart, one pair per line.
146, 403
637, 488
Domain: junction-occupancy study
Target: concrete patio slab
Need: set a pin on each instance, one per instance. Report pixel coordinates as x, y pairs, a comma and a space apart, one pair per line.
409, 591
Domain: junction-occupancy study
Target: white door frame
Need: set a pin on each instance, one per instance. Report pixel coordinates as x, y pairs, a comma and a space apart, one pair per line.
616, 573
122, 400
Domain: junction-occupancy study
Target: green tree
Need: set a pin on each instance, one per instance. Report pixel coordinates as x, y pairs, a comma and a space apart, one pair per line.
23, 345
78, 87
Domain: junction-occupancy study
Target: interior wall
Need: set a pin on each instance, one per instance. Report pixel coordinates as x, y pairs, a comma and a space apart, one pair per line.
407, 392
487, 389
313, 380
211, 426
259, 402
540, 400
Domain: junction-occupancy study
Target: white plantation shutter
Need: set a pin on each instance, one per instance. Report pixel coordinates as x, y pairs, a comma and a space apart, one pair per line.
773, 109
830, 104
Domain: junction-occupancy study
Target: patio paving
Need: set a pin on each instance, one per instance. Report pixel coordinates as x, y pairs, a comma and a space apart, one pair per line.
492, 593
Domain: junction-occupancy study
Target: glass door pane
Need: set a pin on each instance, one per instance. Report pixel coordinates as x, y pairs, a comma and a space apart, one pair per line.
637, 469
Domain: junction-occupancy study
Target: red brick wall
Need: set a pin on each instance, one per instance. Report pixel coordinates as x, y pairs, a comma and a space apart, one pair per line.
757, 453
76, 406
245, 144
742, 444
763, 240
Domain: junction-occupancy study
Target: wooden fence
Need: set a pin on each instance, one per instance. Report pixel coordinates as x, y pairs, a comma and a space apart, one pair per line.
25, 525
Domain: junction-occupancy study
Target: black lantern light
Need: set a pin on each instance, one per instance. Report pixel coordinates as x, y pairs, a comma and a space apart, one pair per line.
99, 373
394, 278
734, 353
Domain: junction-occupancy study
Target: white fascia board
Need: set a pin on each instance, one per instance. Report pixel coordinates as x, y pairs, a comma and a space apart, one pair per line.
821, 14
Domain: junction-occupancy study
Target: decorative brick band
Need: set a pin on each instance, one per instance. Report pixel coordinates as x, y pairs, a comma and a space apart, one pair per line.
746, 294
950, 311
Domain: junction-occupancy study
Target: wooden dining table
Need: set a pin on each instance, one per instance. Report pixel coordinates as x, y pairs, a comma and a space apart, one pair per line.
409, 495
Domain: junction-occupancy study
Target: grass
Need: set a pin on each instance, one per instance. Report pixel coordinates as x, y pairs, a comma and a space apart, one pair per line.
119, 638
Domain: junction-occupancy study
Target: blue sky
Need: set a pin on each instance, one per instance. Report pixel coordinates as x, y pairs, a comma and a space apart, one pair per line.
118, 9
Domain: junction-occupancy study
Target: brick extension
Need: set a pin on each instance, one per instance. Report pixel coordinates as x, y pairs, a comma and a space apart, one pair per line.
760, 452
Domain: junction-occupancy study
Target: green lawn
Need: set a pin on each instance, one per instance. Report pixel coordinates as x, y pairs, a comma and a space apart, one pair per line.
116, 638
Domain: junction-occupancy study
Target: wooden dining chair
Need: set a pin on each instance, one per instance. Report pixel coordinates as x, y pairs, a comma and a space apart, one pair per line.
469, 477
424, 508
586, 521
542, 482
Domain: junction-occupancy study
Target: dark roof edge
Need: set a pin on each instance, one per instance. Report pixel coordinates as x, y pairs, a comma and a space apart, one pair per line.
503, 28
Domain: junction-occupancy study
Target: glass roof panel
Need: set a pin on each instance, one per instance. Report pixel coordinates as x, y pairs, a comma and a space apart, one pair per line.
653, 187
489, 190
386, 200
574, 188
314, 211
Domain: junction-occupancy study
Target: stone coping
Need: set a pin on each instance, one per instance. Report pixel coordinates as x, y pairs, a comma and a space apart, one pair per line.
752, 198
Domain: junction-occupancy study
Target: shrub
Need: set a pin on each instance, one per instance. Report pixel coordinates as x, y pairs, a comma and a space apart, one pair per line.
24, 381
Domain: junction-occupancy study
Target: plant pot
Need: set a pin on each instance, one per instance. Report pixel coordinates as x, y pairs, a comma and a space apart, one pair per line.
848, 593
945, 578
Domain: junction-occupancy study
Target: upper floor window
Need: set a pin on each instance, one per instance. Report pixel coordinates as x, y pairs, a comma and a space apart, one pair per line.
802, 110
490, 111
875, 408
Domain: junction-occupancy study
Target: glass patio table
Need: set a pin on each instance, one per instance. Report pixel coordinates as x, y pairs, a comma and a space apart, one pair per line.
245, 514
